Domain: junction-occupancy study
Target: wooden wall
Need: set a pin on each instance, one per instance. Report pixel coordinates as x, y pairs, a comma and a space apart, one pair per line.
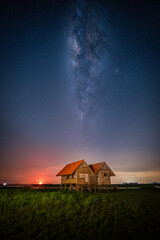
83, 168
101, 179
68, 181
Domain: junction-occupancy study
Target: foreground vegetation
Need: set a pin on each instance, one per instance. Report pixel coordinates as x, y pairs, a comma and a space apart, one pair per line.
45, 214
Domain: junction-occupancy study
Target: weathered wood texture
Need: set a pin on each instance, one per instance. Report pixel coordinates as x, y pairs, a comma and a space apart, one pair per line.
104, 176
103, 180
83, 174
68, 181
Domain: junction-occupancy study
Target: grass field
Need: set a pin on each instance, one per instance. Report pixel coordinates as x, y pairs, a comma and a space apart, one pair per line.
48, 214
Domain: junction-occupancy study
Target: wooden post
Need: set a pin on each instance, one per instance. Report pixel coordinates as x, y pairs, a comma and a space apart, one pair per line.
70, 187
65, 186
94, 188
90, 189
81, 189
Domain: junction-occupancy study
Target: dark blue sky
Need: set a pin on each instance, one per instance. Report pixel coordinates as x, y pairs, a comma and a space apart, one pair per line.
79, 79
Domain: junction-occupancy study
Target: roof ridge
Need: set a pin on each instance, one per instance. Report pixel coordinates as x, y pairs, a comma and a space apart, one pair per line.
97, 166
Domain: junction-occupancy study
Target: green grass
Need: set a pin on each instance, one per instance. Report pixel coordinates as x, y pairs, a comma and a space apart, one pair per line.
45, 214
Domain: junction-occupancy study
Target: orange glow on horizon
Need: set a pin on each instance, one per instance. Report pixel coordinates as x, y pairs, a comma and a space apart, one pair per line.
40, 183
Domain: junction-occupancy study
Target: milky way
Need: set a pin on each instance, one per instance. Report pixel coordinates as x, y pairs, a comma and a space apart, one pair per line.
88, 46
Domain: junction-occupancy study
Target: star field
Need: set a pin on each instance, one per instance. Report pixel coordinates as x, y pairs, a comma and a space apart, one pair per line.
79, 79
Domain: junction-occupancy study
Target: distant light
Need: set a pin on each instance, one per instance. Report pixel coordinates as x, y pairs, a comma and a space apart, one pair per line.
40, 183
4, 184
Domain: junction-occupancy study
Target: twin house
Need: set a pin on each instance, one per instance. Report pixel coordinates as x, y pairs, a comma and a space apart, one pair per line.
79, 174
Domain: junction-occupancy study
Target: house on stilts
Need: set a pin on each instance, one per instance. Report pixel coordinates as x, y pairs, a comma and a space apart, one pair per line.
81, 175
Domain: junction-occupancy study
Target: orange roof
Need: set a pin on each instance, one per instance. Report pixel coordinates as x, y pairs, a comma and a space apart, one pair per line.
97, 166
70, 168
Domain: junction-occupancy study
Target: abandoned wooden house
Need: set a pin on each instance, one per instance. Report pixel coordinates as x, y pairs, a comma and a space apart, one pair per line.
79, 174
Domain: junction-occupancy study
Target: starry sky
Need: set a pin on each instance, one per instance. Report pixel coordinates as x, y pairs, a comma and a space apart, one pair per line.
79, 79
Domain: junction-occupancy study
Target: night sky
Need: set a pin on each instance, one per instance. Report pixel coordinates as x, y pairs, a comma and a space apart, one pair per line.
79, 80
